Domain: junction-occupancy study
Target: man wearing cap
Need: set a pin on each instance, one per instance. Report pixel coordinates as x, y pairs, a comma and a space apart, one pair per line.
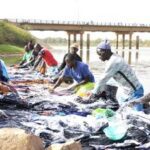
74, 50
121, 72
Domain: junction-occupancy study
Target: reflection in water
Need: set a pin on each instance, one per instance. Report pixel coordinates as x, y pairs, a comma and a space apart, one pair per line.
134, 56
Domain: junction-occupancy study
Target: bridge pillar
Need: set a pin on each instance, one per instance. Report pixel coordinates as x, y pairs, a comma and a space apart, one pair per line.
137, 42
130, 40
137, 48
123, 40
123, 44
69, 35
129, 58
75, 37
81, 45
88, 49
117, 40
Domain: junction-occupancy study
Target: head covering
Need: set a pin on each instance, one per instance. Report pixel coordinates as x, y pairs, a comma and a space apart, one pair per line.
105, 45
75, 45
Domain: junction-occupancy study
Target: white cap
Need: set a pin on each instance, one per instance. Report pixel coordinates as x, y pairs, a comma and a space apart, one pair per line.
105, 45
75, 45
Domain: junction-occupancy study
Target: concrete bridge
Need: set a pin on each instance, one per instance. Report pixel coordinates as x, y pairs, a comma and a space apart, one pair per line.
78, 27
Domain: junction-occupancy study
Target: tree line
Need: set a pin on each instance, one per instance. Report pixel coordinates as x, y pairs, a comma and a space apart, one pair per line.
63, 41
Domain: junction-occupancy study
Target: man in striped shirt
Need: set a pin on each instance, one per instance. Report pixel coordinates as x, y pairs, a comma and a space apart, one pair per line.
121, 72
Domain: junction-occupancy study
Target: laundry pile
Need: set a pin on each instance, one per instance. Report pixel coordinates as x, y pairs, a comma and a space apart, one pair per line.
57, 118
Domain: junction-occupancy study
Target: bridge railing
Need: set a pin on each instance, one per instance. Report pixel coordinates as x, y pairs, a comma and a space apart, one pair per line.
38, 21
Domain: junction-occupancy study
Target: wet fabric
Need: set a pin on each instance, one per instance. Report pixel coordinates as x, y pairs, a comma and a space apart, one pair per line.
83, 90
57, 119
13, 99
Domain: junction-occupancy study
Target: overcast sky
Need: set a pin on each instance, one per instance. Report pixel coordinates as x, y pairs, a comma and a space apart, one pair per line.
126, 11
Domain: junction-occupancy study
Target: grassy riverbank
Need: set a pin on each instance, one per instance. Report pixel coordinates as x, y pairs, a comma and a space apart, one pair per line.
11, 54
10, 49
12, 41
13, 35
12, 60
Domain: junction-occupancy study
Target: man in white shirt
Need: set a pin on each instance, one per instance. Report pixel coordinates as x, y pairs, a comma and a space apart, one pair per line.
121, 72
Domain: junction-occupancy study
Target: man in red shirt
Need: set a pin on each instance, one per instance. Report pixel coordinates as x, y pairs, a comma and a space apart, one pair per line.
48, 58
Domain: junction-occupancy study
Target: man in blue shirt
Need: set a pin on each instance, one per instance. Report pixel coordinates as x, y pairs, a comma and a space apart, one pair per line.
79, 71
3, 72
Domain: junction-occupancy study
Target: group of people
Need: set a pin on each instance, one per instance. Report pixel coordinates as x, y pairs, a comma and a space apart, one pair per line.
73, 69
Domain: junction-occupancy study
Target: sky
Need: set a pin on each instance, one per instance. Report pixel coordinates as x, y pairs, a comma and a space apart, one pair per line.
114, 11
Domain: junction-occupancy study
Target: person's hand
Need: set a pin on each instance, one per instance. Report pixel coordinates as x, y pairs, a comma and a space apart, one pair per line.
30, 71
130, 103
50, 89
72, 87
4, 89
89, 94
93, 96
90, 99
16, 66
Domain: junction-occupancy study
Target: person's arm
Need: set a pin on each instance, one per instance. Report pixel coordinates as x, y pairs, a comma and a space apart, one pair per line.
37, 62
87, 79
22, 62
63, 64
131, 103
61, 78
79, 58
145, 99
58, 83
32, 59
109, 73
10, 86
142, 100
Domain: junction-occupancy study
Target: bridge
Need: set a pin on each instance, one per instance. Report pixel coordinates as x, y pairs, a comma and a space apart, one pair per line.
79, 27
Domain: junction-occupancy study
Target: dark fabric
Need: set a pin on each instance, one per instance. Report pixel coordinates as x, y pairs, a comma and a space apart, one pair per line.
57, 121
2, 78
